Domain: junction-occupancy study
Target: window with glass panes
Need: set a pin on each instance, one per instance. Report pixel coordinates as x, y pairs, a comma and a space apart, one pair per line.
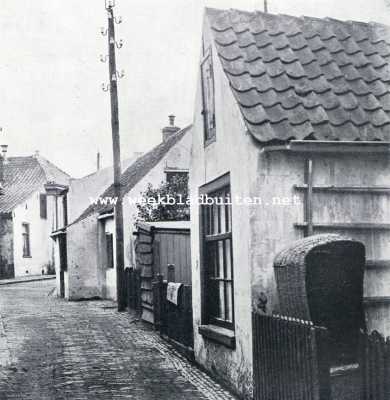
26, 240
218, 259
110, 250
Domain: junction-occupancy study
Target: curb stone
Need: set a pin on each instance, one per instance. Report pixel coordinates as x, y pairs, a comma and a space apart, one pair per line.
27, 279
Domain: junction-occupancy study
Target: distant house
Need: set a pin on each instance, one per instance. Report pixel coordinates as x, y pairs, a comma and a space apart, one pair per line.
70, 201
27, 216
292, 129
89, 270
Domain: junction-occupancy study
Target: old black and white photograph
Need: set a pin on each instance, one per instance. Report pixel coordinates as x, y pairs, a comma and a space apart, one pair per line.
195, 200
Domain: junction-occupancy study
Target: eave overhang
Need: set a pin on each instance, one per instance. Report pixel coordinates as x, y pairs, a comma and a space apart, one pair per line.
315, 146
56, 189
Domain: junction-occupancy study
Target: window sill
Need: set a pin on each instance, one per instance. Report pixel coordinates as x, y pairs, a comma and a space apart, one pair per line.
27, 256
218, 334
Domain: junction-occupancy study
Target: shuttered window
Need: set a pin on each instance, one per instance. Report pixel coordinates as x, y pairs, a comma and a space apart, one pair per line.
110, 250
208, 95
43, 205
218, 259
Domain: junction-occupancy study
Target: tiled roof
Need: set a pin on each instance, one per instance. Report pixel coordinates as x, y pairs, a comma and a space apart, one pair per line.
25, 175
133, 174
306, 78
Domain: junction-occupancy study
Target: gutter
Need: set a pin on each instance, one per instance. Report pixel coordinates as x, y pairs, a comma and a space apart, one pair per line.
335, 146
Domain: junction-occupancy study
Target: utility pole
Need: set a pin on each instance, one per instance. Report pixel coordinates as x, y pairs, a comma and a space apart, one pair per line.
265, 6
113, 87
3, 156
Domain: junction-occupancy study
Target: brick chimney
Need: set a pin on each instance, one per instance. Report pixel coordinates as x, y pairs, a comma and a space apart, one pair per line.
170, 130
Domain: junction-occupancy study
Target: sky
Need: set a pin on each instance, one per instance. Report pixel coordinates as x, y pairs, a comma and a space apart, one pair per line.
50, 74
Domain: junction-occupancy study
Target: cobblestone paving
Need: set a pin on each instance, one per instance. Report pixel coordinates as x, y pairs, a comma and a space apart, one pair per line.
86, 350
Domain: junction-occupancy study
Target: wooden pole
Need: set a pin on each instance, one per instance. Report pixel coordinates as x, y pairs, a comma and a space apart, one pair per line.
265, 6
117, 162
98, 157
1, 174
2, 162
309, 196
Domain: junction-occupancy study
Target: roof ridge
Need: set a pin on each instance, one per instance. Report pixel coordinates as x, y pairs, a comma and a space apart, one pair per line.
40, 158
104, 169
301, 17
19, 157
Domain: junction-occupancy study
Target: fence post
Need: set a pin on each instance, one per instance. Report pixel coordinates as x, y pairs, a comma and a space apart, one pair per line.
129, 291
387, 367
138, 298
171, 273
157, 301
322, 344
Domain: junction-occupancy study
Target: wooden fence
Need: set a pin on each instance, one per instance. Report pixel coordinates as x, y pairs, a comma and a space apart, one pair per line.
290, 361
157, 246
172, 246
133, 288
174, 321
375, 367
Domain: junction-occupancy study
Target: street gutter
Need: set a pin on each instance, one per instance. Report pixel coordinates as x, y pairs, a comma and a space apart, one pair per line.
34, 278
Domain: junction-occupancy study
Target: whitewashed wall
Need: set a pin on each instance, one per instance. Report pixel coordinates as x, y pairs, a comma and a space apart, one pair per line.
89, 276
177, 157
42, 247
82, 247
232, 152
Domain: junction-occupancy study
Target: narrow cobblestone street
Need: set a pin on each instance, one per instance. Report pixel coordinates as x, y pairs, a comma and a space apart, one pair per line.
86, 350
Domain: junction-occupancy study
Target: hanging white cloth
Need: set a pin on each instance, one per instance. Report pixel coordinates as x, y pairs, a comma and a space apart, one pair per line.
173, 292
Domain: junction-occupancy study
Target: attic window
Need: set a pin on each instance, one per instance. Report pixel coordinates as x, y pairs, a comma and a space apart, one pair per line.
208, 95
